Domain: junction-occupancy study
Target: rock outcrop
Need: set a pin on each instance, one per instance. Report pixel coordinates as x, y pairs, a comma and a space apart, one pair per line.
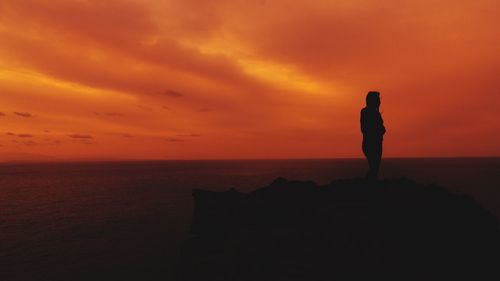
294, 230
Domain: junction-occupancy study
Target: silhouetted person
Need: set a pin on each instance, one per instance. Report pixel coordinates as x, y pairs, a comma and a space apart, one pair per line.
372, 127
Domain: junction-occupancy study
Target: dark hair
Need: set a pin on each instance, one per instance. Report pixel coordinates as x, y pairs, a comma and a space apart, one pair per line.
373, 99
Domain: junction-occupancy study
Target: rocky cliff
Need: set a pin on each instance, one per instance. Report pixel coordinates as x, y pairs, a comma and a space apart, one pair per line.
294, 230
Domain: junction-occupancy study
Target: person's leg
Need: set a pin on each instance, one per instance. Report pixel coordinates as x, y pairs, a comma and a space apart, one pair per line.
369, 158
372, 167
377, 159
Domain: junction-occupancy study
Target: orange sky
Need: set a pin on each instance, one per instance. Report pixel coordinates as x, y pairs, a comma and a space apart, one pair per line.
194, 79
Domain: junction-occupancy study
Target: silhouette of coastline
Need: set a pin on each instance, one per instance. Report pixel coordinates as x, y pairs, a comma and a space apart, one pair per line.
296, 230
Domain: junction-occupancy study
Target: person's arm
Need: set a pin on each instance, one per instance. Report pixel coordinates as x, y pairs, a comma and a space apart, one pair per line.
382, 124
363, 122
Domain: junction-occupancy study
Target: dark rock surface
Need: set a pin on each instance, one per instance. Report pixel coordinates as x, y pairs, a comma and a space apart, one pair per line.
293, 230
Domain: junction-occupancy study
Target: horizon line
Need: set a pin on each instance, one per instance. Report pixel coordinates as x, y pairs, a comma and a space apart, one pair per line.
226, 159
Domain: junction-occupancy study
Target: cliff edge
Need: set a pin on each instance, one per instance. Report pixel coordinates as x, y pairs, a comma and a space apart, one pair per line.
296, 230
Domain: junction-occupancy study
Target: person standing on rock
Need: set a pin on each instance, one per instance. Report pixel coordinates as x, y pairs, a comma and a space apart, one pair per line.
372, 127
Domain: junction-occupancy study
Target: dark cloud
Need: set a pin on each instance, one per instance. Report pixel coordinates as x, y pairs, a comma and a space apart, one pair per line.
2, 114
127, 136
46, 131
165, 107
188, 135
24, 135
24, 114
10, 134
82, 141
174, 140
80, 136
203, 109
173, 94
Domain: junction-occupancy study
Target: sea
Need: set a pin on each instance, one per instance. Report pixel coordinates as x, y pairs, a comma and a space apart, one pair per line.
128, 220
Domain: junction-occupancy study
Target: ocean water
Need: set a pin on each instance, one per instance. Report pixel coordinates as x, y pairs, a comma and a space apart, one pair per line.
127, 220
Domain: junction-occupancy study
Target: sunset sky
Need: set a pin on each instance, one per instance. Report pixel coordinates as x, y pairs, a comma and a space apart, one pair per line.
201, 79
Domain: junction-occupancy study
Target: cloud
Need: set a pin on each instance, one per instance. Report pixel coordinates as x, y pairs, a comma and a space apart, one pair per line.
305, 70
114, 114
161, 57
25, 142
80, 136
109, 114
173, 94
2, 114
82, 141
46, 131
24, 114
174, 140
145, 108
127, 136
24, 135
188, 135
29, 143
10, 134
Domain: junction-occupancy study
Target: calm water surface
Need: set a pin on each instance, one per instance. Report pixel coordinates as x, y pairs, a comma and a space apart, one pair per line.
126, 221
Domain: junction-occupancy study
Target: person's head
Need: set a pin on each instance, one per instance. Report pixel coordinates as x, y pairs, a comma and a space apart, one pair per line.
373, 99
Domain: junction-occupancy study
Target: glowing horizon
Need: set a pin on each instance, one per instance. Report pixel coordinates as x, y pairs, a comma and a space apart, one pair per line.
186, 79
